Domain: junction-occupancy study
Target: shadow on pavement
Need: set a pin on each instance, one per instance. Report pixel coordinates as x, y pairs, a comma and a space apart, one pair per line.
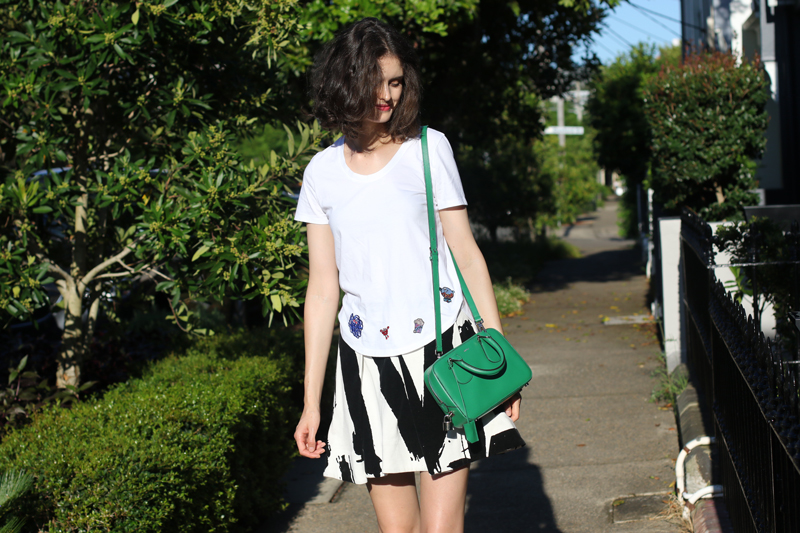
302, 483
506, 493
610, 265
577, 223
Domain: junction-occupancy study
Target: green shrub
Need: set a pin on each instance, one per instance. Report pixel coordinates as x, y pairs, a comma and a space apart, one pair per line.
558, 249
708, 122
198, 444
521, 260
627, 214
510, 297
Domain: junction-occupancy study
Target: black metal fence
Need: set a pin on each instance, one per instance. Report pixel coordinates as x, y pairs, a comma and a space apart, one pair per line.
752, 391
697, 261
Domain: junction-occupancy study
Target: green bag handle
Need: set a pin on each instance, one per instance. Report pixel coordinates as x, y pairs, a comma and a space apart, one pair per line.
437, 305
485, 372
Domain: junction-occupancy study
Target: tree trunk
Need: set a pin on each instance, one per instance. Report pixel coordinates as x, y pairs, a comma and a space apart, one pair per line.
94, 310
531, 229
73, 344
719, 193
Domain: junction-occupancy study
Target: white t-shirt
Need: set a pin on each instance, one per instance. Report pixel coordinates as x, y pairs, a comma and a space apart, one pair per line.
380, 230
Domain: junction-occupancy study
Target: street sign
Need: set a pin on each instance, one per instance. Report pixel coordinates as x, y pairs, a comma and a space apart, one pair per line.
563, 130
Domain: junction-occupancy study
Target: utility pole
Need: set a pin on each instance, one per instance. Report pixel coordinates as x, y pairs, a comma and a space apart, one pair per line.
561, 130
578, 101
562, 138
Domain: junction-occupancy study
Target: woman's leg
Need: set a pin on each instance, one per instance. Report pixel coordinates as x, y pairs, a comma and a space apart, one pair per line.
394, 498
442, 501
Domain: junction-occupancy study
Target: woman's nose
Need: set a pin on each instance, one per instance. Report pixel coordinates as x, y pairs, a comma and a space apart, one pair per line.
384, 92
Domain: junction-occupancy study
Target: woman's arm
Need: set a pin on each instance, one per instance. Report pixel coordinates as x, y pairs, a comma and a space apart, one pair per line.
457, 232
322, 302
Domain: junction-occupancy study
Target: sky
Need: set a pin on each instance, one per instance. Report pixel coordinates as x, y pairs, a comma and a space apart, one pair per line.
627, 25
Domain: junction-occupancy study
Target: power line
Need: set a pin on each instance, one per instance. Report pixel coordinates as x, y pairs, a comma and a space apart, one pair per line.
623, 39
657, 21
635, 27
640, 8
658, 14
609, 50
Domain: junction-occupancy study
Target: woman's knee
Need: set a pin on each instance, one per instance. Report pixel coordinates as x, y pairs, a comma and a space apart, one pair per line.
394, 498
442, 502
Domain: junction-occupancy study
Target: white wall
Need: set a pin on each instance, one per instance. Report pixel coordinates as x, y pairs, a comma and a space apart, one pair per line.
730, 16
674, 319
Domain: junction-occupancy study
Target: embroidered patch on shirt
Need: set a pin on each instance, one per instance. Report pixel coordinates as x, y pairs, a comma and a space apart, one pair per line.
447, 294
418, 323
385, 332
356, 325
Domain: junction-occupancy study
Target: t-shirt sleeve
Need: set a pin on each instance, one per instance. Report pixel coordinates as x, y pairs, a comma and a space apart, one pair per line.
308, 206
448, 191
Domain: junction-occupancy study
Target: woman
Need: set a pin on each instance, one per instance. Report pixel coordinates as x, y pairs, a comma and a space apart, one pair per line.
364, 201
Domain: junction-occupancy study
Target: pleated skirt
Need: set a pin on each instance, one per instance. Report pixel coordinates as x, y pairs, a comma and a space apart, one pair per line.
385, 421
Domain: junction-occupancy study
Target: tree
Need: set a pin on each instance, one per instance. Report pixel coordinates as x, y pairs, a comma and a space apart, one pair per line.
486, 67
514, 200
616, 112
127, 110
485, 83
708, 122
572, 172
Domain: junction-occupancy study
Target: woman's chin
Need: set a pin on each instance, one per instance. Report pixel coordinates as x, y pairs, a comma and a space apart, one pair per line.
382, 118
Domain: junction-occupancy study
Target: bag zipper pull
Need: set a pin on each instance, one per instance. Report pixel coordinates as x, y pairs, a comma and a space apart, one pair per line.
447, 425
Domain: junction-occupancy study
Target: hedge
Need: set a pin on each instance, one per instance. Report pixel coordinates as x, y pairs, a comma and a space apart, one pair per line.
199, 443
708, 122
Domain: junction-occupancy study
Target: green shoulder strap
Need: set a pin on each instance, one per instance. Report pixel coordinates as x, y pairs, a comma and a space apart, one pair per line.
435, 253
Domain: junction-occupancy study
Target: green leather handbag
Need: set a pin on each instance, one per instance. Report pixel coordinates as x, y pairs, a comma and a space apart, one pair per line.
483, 372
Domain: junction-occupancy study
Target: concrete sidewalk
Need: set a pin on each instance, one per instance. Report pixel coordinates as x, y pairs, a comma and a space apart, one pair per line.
600, 456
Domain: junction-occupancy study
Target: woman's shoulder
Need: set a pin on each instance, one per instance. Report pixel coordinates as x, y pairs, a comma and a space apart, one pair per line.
327, 157
434, 136
437, 140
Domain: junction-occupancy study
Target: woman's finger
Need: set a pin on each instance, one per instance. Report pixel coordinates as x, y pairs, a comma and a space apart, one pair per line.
512, 407
314, 452
300, 435
305, 437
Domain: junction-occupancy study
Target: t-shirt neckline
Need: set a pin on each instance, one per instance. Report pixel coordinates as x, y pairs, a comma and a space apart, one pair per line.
375, 175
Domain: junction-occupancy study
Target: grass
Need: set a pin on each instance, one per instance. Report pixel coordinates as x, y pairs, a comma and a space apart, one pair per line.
669, 386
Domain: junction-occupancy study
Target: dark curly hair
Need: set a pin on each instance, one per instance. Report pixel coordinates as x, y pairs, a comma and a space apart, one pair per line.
346, 78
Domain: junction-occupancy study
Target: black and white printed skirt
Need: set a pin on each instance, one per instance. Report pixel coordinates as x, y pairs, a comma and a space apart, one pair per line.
385, 421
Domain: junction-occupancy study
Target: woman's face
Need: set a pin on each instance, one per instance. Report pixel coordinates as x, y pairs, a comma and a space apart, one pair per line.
390, 90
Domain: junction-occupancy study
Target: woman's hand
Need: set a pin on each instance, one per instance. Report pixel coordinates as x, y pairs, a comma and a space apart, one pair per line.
306, 433
512, 407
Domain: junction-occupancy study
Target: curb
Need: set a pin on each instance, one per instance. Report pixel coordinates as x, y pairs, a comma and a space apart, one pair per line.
711, 516
707, 515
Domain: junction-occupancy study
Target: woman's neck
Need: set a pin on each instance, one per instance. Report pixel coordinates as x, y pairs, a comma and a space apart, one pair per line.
373, 136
